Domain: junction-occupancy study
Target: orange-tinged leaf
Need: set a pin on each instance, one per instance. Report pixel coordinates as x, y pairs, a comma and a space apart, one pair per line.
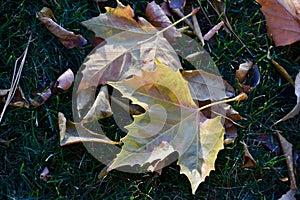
283, 20
116, 20
67, 38
172, 123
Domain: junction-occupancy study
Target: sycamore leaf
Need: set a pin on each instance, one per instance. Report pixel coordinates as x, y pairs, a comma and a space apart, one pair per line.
296, 109
207, 86
101, 108
158, 18
67, 38
116, 20
172, 123
69, 133
135, 47
283, 20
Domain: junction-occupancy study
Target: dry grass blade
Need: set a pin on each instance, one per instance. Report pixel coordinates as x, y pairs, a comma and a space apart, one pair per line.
15, 78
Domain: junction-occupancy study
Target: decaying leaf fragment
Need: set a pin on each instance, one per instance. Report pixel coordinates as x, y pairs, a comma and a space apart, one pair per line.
130, 46
101, 107
44, 174
159, 19
248, 76
63, 83
172, 123
296, 109
248, 160
287, 149
67, 38
283, 20
69, 133
18, 99
213, 31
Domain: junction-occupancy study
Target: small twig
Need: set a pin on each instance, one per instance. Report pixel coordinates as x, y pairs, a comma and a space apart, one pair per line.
15, 78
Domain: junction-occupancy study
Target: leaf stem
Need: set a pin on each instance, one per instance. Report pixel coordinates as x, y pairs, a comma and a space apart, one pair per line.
183, 18
240, 97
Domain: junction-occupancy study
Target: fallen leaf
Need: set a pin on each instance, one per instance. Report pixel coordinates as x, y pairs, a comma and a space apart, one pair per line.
248, 76
117, 20
283, 72
44, 174
197, 29
63, 83
177, 4
287, 149
166, 8
101, 107
135, 47
18, 100
243, 70
172, 123
283, 20
213, 31
290, 195
220, 8
207, 86
296, 109
158, 18
69, 133
67, 38
248, 160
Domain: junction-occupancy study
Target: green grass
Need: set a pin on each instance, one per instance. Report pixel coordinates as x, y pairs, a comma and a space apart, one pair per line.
73, 171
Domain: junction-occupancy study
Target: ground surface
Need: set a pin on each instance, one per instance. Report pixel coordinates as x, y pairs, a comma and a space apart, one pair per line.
73, 171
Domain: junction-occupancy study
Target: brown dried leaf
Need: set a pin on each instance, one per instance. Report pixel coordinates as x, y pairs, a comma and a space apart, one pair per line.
296, 109
41, 97
69, 133
248, 160
101, 107
283, 20
67, 38
18, 99
63, 82
213, 31
207, 86
158, 18
248, 76
177, 4
197, 29
220, 8
283, 72
166, 8
287, 149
